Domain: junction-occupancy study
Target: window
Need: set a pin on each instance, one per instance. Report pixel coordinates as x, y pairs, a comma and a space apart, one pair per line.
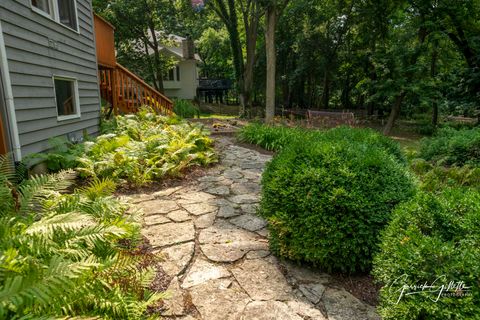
178, 72
43, 5
169, 76
62, 11
66, 97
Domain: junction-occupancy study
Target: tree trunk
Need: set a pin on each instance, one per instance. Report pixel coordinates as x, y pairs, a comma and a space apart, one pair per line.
394, 113
157, 61
433, 73
271, 16
326, 90
251, 35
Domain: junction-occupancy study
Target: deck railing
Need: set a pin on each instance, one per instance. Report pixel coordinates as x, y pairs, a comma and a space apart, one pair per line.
126, 92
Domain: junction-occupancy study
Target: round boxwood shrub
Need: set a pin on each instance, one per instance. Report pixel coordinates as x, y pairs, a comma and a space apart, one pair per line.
326, 201
433, 239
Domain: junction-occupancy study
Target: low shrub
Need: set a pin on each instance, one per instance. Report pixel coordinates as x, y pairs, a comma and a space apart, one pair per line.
276, 138
185, 109
68, 255
435, 178
327, 199
432, 240
452, 147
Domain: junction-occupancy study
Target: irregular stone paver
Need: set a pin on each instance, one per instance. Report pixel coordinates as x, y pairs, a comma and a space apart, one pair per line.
341, 305
158, 206
179, 216
249, 222
174, 305
224, 242
198, 209
214, 247
219, 300
262, 280
171, 233
203, 271
156, 219
176, 258
269, 310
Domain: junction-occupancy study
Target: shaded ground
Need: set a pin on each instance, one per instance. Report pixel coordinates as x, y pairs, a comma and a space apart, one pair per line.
216, 259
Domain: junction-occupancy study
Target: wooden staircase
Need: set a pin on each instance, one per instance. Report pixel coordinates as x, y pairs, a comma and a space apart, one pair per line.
126, 92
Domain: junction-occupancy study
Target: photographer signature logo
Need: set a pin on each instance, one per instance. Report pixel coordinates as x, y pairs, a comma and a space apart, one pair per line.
440, 287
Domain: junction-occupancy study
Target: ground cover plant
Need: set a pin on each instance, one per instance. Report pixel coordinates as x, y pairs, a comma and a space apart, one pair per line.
275, 138
66, 255
327, 197
138, 149
185, 109
452, 147
433, 239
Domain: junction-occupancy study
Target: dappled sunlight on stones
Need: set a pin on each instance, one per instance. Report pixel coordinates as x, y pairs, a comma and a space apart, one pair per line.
215, 248
262, 280
169, 233
203, 271
175, 259
219, 300
224, 242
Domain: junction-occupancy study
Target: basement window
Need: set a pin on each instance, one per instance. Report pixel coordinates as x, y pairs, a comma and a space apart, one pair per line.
66, 98
61, 11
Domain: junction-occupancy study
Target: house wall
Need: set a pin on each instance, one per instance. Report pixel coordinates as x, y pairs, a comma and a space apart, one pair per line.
186, 88
38, 48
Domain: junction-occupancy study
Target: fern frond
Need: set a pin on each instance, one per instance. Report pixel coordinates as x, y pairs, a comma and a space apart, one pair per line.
47, 226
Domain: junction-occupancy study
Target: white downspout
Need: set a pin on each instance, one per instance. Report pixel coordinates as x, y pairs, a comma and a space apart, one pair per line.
12, 118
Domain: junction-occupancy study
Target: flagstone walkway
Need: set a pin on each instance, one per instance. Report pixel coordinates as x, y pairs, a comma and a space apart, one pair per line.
215, 251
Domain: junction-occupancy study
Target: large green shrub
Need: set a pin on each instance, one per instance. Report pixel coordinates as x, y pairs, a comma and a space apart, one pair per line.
65, 255
277, 137
452, 147
433, 239
326, 200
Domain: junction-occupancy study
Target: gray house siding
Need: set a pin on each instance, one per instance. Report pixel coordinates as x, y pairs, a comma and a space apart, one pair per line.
37, 49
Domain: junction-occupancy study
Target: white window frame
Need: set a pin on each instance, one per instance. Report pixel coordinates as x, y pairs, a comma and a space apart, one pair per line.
77, 113
55, 13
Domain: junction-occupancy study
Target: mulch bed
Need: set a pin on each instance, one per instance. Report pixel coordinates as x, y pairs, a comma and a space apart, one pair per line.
362, 287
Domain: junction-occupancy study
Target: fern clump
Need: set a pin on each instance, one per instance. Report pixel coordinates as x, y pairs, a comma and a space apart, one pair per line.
64, 255
145, 147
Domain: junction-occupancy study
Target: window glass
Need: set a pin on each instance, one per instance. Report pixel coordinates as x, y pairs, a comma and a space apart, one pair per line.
178, 73
43, 5
66, 12
65, 95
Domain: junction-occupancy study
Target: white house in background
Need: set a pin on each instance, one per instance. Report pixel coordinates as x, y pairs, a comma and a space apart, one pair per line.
182, 80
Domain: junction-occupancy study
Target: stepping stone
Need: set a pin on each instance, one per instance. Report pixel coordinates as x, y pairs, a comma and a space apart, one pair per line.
174, 303
245, 199
233, 174
179, 216
259, 254
249, 222
167, 192
312, 291
219, 299
137, 198
305, 310
199, 209
262, 280
341, 305
245, 188
249, 208
158, 206
224, 242
176, 258
269, 310
219, 191
205, 221
203, 271
169, 233
227, 211
156, 219
189, 197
